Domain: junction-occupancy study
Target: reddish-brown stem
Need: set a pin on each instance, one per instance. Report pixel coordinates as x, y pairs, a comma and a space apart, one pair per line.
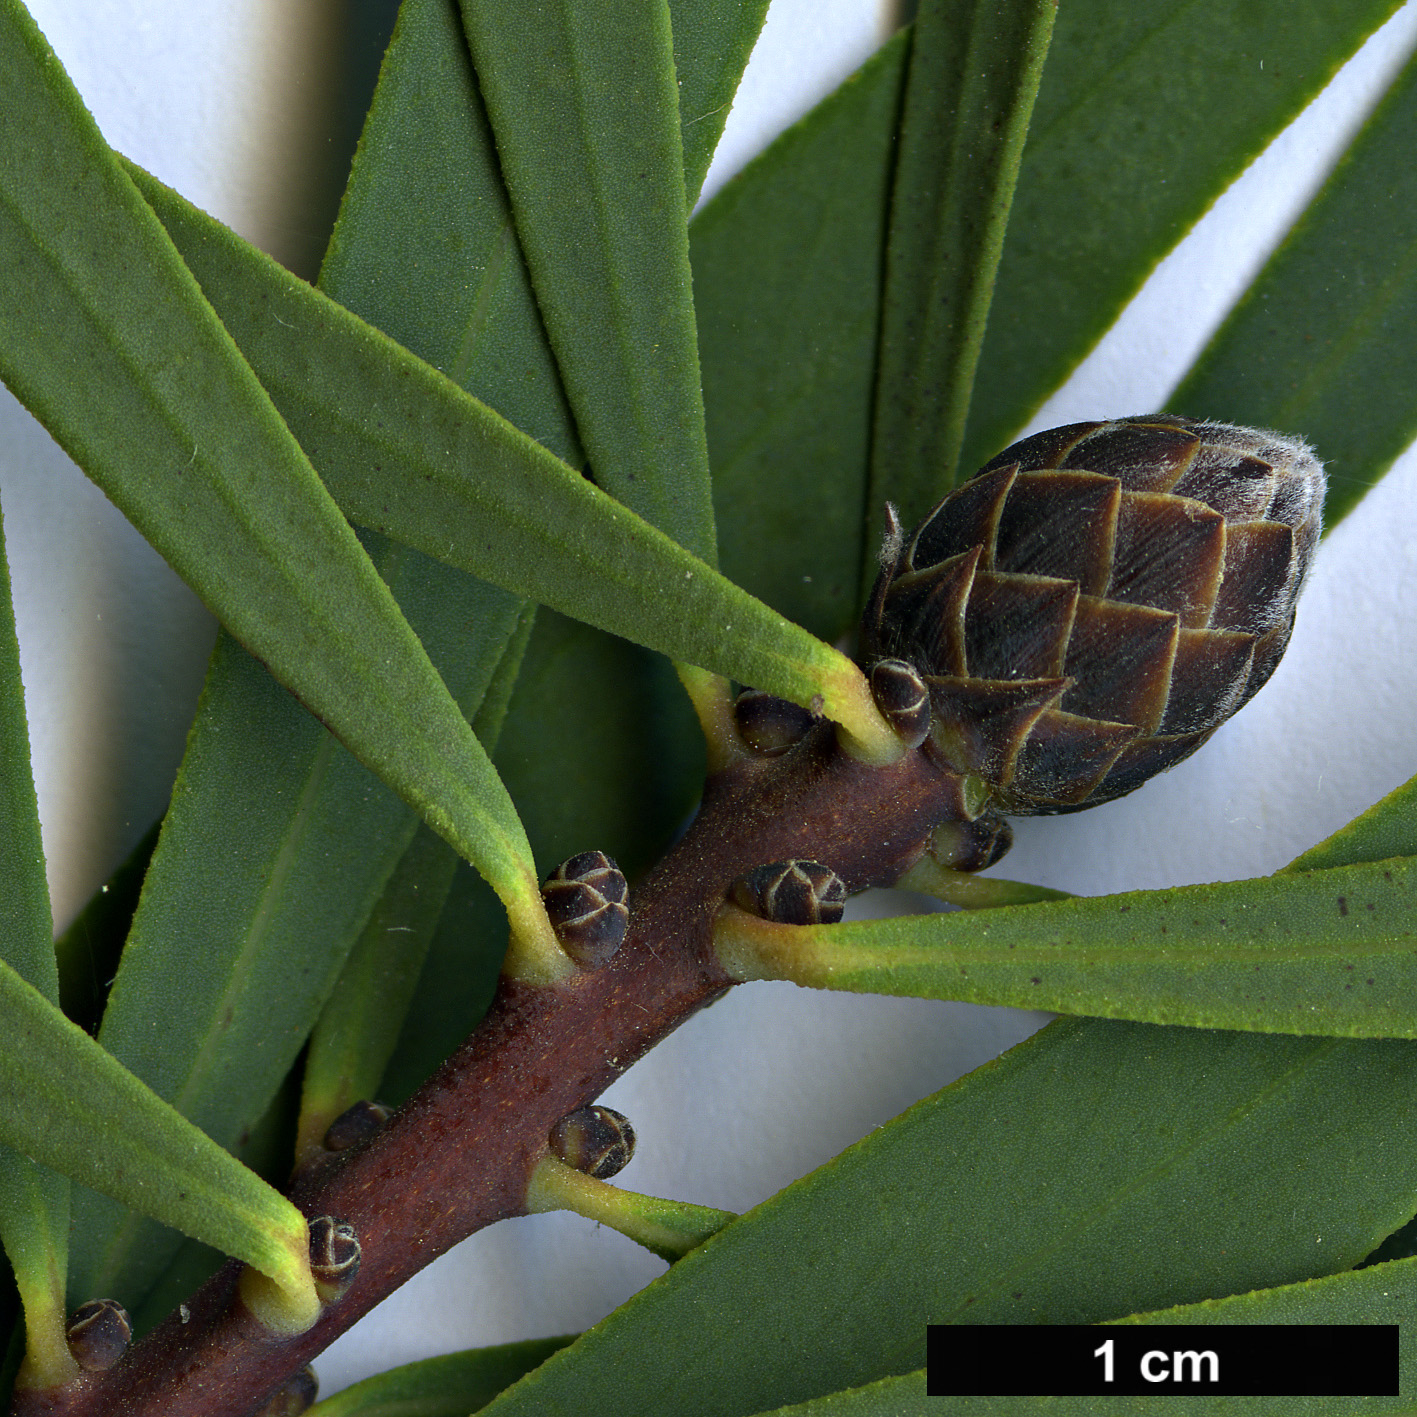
458, 1156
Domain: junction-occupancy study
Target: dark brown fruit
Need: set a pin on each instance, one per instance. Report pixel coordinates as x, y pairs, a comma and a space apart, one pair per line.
99, 1334
791, 893
1093, 603
596, 1140
586, 898
769, 725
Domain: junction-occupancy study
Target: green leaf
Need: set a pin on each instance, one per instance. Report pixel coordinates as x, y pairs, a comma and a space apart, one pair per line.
34, 1203
973, 77
1331, 952
1322, 339
451, 1386
1097, 1169
273, 854
407, 453
599, 750
455, 989
89, 950
787, 262
584, 104
712, 42
444, 276
1387, 828
141, 385
1145, 115
279, 843
359, 1027
67, 1104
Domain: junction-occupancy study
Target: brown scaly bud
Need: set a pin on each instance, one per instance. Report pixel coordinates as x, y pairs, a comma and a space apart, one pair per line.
791, 893
769, 725
586, 900
295, 1395
1098, 599
356, 1124
334, 1257
903, 699
971, 846
99, 1334
596, 1140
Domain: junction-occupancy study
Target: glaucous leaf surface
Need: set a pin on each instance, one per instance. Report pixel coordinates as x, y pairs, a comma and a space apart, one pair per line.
1322, 340
787, 261
1097, 1169
583, 101
1328, 952
972, 80
1145, 115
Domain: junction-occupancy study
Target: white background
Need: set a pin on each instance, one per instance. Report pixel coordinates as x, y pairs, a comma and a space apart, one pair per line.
225, 100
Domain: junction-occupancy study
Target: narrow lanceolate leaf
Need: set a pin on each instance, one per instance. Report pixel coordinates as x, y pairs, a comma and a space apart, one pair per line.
973, 76
712, 41
787, 261
1099, 1169
444, 276
407, 453
1322, 341
451, 1386
1331, 952
1387, 828
273, 853
34, 1202
106, 337
69, 1105
1145, 115
360, 1024
585, 109
278, 842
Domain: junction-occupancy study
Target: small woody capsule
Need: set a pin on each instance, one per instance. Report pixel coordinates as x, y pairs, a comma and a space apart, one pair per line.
971, 846
586, 899
791, 893
295, 1396
356, 1124
334, 1257
768, 725
99, 1334
596, 1140
903, 699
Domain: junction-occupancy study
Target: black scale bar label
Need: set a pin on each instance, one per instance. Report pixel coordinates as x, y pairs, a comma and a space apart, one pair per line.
1139, 1360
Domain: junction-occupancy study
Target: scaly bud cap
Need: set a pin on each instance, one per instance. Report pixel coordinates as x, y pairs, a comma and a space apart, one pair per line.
596, 1140
586, 900
769, 725
791, 893
99, 1334
1093, 603
296, 1395
356, 1124
334, 1257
